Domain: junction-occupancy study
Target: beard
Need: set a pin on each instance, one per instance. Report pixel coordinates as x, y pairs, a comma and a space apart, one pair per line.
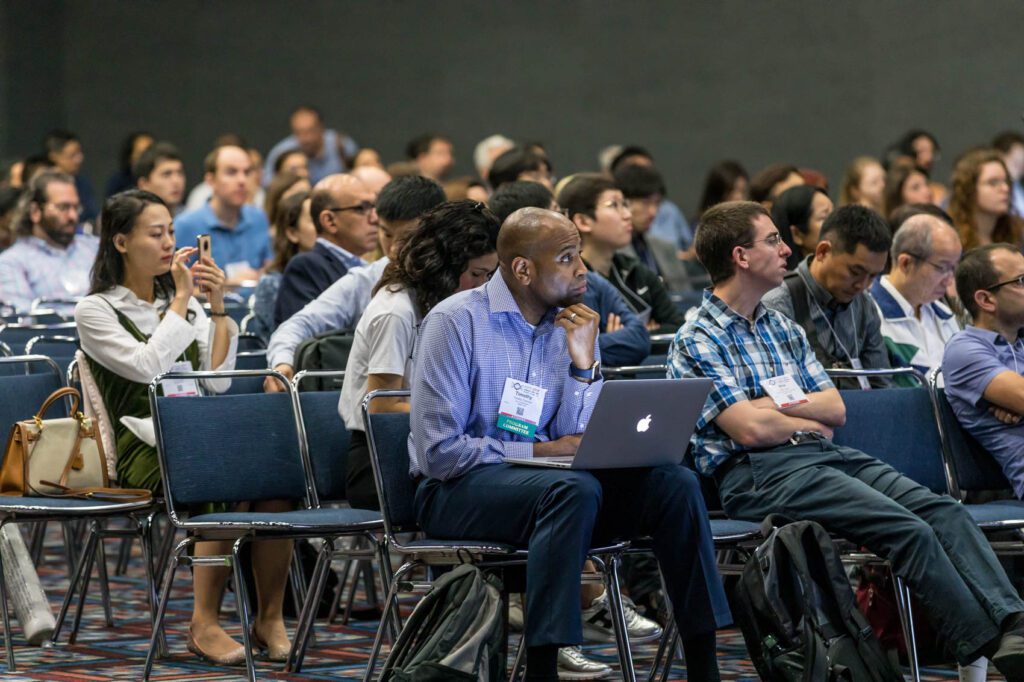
57, 233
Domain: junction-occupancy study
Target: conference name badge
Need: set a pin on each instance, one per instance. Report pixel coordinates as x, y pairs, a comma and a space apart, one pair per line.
520, 408
784, 391
180, 387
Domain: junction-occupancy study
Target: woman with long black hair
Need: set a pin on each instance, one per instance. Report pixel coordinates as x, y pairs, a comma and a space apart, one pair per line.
140, 320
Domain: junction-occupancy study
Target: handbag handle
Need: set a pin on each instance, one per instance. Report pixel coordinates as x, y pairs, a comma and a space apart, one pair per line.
54, 397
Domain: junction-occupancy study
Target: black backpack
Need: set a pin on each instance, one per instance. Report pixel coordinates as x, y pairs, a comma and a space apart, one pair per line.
798, 614
329, 350
456, 632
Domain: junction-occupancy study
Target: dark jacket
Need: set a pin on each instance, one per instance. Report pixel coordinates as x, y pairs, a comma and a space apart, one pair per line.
643, 290
627, 346
306, 277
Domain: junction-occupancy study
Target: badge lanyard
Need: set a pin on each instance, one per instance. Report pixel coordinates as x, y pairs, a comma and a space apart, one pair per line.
856, 344
508, 356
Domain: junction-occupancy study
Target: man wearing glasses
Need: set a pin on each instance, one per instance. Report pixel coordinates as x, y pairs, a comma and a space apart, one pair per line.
916, 324
344, 212
765, 437
49, 260
827, 293
983, 363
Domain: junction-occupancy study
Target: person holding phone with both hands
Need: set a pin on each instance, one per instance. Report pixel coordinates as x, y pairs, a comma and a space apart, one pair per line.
141, 320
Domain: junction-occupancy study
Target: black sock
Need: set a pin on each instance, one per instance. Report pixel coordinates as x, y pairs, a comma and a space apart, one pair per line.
701, 658
542, 663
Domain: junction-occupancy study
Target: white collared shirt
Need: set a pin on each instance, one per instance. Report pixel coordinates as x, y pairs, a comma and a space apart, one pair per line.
110, 344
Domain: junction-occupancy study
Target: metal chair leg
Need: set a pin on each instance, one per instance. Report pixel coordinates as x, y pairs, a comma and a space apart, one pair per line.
104, 579
241, 596
907, 620
666, 649
144, 531
343, 576
392, 598
37, 542
8, 643
124, 554
387, 578
161, 610
76, 579
83, 589
610, 571
313, 597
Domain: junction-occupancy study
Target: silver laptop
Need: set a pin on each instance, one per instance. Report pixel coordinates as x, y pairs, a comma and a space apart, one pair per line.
636, 423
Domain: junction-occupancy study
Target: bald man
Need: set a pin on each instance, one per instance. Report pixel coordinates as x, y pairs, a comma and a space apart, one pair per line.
916, 323
528, 326
344, 212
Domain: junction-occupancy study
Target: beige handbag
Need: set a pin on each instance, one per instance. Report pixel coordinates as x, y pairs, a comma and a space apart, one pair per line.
59, 458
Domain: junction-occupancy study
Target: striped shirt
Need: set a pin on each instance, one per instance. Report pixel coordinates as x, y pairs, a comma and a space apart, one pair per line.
738, 354
468, 345
33, 268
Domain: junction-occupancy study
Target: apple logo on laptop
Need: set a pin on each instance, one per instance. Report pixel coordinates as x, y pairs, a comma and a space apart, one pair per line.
643, 424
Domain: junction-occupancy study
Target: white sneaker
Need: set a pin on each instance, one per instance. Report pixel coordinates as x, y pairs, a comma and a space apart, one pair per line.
573, 665
515, 612
597, 622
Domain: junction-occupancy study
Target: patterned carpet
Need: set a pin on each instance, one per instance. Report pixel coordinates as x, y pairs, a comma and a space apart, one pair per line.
341, 652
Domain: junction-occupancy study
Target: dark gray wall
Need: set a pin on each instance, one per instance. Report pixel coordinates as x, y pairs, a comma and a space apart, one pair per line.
813, 82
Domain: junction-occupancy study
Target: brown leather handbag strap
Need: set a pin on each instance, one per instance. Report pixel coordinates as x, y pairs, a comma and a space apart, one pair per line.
97, 493
57, 395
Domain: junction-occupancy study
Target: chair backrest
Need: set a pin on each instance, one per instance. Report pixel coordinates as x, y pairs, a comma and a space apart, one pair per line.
250, 342
896, 426
388, 436
23, 391
227, 448
644, 371
327, 441
17, 336
256, 359
969, 464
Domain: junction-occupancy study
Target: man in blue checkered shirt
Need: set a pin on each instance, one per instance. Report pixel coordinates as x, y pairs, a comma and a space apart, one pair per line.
528, 325
770, 459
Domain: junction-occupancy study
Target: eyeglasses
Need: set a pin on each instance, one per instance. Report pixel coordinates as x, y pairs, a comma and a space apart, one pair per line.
773, 240
1017, 281
943, 269
617, 205
363, 207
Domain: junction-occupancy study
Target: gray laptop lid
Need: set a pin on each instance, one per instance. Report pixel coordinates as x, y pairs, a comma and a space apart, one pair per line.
641, 423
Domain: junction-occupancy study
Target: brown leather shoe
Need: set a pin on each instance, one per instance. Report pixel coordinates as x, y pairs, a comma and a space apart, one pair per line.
235, 658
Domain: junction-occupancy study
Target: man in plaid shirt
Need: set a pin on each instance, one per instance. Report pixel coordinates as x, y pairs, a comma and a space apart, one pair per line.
770, 459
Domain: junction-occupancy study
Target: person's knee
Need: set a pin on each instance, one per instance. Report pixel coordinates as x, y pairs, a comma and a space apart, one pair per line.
579, 492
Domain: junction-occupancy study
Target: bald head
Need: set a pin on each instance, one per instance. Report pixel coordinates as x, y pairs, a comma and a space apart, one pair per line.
529, 231
371, 176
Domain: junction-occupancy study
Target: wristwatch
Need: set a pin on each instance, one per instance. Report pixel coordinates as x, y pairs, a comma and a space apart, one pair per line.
587, 376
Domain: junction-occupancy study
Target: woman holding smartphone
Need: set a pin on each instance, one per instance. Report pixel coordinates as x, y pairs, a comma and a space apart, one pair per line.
141, 320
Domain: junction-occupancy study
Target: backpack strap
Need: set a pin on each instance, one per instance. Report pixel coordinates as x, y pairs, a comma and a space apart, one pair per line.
798, 294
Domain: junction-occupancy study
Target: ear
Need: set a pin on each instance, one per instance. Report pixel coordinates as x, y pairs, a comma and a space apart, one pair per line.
822, 250
35, 212
121, 243
985, 300
583, 223
522, 270
291, 234
799, 238
739, 258
208, 179
328, 221
904, 262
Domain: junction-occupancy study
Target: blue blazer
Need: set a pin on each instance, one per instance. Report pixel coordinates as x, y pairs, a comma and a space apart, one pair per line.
306, 276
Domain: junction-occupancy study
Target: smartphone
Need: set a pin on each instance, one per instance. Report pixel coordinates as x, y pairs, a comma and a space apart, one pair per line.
203, 245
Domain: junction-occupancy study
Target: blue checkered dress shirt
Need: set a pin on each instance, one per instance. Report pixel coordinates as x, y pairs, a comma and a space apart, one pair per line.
722, 345
468, 345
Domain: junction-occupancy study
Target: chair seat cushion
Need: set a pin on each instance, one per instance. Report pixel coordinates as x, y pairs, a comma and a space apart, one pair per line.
60, 505
730, 528
1009, 512
300, 518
